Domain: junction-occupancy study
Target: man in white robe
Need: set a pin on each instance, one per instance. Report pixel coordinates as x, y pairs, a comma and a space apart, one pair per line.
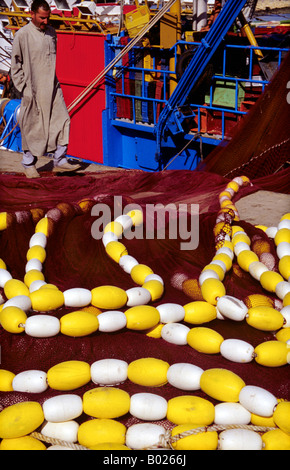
44, 120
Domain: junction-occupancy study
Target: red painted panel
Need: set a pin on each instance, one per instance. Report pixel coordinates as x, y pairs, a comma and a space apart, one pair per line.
80, 59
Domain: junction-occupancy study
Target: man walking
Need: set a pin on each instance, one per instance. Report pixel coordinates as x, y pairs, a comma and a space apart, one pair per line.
44, 120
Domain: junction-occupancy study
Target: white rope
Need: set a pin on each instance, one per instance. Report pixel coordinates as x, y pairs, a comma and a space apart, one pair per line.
54, 441
166, 440
126, 49
256, 157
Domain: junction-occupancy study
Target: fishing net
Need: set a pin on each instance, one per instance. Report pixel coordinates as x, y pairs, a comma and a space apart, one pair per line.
260, 146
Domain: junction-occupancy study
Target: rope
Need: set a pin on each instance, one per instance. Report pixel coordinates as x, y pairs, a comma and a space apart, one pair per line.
166, 440
126, 49
184, 148
256, 157
53, 441
220, 427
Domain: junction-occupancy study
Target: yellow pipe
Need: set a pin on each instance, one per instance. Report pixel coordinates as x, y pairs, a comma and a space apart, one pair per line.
176, 10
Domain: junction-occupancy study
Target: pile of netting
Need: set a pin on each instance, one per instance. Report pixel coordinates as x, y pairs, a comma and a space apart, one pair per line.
261, 145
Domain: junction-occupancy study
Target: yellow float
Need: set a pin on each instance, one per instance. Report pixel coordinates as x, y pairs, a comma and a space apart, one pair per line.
44, 226
284, 266
281, 416
190, 409
11, 319
114, 227
69, 375
155, 288
46, 299
6, 378
276, 440
79, 323
14, 288
33, 275
108, 297
106, 402
98, 431
245, 258
140, 272
142, 317
205, 340
265, 318
150, 372
212, 289
199, 312
20, 419
116, 250
272, 353
22, 443
270, 279
221, 384
207, 440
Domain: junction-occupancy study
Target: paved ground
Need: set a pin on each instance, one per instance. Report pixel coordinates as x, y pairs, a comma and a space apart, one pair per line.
10, 162
264, 207
272, 5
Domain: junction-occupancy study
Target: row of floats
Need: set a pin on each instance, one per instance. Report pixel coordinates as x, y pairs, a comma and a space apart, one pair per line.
241, 404
197, 422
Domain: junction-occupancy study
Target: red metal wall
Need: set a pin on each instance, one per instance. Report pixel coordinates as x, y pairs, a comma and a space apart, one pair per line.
80, 58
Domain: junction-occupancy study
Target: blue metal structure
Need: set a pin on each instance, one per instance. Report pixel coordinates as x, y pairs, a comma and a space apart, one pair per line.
131, 119
11, 135
172, 116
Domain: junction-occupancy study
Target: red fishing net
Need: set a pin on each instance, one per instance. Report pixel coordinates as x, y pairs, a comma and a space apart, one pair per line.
76, 259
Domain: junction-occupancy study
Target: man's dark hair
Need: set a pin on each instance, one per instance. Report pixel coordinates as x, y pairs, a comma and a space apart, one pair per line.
36, 4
